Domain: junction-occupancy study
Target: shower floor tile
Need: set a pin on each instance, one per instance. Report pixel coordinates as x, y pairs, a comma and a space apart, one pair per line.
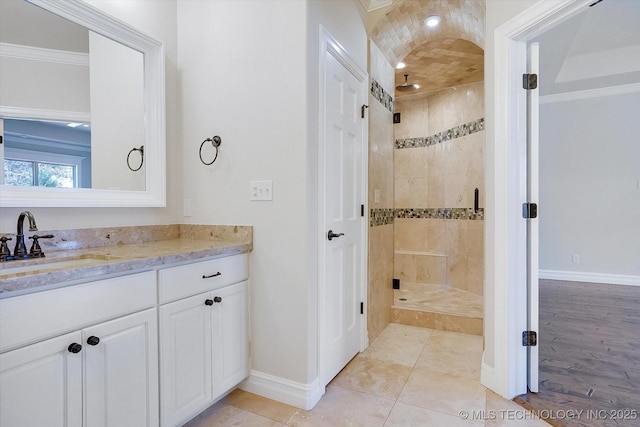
441, 299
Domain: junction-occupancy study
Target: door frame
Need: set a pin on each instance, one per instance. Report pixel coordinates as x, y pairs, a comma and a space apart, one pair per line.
508, 262
328, 44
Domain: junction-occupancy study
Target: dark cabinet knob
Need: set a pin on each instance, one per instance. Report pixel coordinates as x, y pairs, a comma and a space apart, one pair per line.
74, 348
217, 299
208, 302
93, 340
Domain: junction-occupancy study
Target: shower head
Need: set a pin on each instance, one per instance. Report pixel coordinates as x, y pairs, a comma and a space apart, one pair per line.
406, 87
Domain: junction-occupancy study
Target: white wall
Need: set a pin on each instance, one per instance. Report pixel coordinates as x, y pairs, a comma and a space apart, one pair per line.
117, 114
248, 72
590, 186
157, 19
44, 85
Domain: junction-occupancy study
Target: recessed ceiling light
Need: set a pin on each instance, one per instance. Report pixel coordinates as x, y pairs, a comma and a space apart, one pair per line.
400, 65
432, 21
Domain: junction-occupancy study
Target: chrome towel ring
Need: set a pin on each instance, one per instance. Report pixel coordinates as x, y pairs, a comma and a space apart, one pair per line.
216, 141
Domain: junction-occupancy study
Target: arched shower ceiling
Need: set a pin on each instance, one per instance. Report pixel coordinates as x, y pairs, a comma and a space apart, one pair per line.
402, 34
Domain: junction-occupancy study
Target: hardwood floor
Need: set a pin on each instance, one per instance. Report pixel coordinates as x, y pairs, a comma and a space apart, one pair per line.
589, 342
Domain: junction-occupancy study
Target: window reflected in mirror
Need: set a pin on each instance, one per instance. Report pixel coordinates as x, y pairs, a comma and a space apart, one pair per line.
47, 153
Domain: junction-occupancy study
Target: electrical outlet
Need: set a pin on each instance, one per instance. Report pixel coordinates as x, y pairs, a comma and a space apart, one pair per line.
575, 258
261, 190
376, 196
187, 207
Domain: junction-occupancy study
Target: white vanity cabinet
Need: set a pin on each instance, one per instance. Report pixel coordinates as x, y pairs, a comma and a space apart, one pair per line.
204, 339
41, 384
82, 355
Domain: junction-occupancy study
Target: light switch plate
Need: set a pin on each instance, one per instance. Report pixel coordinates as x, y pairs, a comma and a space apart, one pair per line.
261, 190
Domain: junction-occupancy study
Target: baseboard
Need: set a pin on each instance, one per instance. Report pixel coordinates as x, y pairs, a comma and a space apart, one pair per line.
575, 276
488, 377
303, 396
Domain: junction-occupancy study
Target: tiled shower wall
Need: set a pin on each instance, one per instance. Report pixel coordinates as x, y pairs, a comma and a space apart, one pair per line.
438, 162
381, 140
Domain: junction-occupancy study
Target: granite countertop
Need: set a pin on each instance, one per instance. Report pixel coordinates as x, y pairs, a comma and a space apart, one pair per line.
90, 254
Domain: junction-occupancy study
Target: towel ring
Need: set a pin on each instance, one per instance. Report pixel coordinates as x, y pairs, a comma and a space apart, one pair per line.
141, 150
216, 141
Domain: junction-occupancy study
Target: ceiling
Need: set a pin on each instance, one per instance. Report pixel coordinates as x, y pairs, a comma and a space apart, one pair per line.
22, 23
449, 55
440, 64
599, 47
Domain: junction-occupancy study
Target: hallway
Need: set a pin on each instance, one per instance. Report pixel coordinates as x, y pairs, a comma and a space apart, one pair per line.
408, 376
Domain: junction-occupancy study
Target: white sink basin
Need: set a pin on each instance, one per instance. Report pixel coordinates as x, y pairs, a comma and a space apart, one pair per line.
43, 265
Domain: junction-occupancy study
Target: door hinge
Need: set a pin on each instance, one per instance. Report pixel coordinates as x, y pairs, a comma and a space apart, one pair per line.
529, 210
361, 308
362, 210
529, 338
364, 107
529, 81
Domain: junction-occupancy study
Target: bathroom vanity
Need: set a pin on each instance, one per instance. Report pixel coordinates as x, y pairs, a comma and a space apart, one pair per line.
153, 342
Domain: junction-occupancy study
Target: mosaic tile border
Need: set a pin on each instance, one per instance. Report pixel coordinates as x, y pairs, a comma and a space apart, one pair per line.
440, 137
381, 95
379, 217
440, 213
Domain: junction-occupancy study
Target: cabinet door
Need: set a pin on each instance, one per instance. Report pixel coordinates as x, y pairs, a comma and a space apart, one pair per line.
231, 337
41, 384
185, 356
121, 372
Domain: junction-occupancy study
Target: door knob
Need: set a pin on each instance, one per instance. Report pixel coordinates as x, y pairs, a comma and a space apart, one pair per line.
208, 302
331, 234
217, 299
93, 340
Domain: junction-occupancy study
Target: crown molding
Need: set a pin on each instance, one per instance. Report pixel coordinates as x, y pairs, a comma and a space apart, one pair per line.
590, 93
30, 53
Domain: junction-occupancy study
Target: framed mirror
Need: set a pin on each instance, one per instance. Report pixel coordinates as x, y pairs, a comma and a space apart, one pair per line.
82, 109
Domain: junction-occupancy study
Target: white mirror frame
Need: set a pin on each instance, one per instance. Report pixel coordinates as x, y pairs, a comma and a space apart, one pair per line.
154, 194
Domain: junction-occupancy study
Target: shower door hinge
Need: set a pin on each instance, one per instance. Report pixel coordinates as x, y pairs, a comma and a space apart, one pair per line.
362, 110
529, 338
361, 308
529, 210
362, 210
529, 81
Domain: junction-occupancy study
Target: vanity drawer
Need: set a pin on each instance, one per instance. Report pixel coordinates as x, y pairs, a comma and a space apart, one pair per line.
33, 317
191, 279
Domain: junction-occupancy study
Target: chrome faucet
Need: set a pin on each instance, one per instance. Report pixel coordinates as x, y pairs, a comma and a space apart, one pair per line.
21, 248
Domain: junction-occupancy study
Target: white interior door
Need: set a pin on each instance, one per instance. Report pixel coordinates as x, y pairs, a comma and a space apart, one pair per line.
343, 196
533, 67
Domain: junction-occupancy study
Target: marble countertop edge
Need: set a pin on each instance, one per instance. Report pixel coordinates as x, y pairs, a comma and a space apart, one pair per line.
95, 263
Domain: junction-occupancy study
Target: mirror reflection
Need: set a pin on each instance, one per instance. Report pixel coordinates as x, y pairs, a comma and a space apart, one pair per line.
71, 103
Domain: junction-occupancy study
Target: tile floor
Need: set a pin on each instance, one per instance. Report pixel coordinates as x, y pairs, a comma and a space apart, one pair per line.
409, 376
442, 299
